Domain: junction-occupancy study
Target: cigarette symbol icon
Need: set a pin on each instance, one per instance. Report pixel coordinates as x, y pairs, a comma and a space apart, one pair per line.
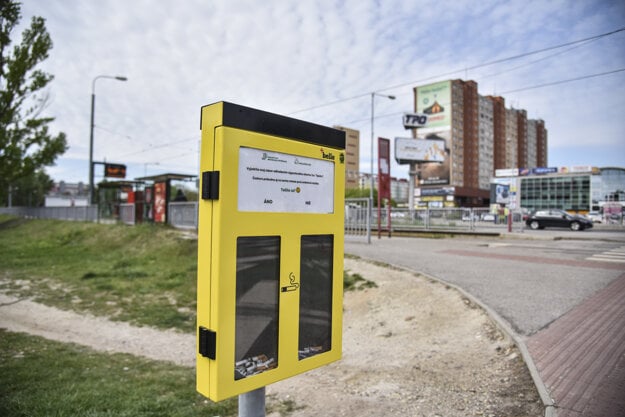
294, 285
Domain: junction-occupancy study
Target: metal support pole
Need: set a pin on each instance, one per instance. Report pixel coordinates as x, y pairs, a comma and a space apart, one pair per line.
252, 404
372, 136
92, 125
412, 174
91, 195
371, 178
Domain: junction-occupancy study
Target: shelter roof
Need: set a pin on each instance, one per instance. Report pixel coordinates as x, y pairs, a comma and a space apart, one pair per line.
166, 177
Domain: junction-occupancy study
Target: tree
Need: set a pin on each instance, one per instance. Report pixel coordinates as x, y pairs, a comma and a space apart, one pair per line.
31, 190
364, 193
26, 145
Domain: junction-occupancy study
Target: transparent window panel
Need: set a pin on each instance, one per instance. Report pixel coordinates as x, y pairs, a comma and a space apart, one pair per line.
257, 292
315, 303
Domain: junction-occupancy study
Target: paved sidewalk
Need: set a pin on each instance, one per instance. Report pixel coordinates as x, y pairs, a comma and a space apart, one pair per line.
581, 356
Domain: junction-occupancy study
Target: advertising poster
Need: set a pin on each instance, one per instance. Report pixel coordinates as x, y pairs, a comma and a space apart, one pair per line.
435, 101
436, 173
502, 194
419, 150
160, 202
384, 168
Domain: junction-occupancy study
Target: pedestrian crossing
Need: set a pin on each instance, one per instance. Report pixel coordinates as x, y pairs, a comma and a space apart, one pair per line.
615, 255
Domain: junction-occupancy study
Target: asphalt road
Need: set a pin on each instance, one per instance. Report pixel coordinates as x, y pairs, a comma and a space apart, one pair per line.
529, 279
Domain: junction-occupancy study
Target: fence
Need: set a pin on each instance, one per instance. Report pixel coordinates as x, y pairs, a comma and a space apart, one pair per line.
183, 215
357, 218
452, 219
360, 219
127, 213
80, 213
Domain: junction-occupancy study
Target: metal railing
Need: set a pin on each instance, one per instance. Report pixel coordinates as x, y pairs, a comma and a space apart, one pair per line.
360, 219
183, 215
357, 217
127, 213
467, 219
77, 213
439, 219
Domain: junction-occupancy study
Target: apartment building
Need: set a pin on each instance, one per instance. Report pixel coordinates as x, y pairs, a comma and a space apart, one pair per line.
481, 135
486, 139
352, 152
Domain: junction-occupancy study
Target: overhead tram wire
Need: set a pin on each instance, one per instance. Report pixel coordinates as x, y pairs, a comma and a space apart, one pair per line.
497, 61
511, 58
504, 71
563, 81
165, 145
382, 116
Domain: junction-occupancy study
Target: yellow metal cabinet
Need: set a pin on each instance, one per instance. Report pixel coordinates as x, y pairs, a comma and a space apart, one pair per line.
270, 249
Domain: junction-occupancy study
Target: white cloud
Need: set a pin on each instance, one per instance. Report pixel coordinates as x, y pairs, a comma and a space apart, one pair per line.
288, 56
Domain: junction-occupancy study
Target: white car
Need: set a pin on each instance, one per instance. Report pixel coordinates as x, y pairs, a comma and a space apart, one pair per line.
595, 216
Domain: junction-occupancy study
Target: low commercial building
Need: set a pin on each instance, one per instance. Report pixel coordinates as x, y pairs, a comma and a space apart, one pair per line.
577, 189
65, 194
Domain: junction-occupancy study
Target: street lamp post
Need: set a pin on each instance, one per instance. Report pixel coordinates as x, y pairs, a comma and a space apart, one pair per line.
112, 77
371, 184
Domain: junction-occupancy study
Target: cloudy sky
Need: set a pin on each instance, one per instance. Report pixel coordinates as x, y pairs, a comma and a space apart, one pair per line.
319, 61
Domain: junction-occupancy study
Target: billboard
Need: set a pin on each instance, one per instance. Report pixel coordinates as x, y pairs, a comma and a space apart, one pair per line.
435, 101
502, 193
436, 173
160, 202
575, 169
384, 169
419, 150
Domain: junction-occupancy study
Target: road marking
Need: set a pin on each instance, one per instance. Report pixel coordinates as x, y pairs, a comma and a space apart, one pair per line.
614, 255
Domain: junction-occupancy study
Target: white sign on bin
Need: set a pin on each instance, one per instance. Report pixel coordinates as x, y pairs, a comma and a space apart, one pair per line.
282, 183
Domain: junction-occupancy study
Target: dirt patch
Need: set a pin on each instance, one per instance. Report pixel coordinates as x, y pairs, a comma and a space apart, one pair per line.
12, 222
411, 347
99, 333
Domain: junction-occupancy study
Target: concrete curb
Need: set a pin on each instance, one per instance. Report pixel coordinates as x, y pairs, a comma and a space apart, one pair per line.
548, 402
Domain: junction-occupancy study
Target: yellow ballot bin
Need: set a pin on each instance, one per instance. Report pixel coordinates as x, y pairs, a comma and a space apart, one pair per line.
270, 249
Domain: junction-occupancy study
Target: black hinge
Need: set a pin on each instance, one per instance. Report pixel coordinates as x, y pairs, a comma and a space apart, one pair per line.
210, 185
208, 343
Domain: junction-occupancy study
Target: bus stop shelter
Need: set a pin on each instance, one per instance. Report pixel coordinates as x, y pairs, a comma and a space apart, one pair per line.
157, 194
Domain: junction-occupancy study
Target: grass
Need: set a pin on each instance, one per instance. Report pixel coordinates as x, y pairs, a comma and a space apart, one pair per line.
353, 282
144, 274
40, 377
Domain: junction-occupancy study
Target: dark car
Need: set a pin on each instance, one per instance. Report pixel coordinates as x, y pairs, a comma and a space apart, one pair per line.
539, 219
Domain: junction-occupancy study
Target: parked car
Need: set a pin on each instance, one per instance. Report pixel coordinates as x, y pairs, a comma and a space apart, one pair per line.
595, 217
539, 219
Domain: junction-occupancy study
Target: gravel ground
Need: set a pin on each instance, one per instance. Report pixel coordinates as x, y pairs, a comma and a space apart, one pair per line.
411, 347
